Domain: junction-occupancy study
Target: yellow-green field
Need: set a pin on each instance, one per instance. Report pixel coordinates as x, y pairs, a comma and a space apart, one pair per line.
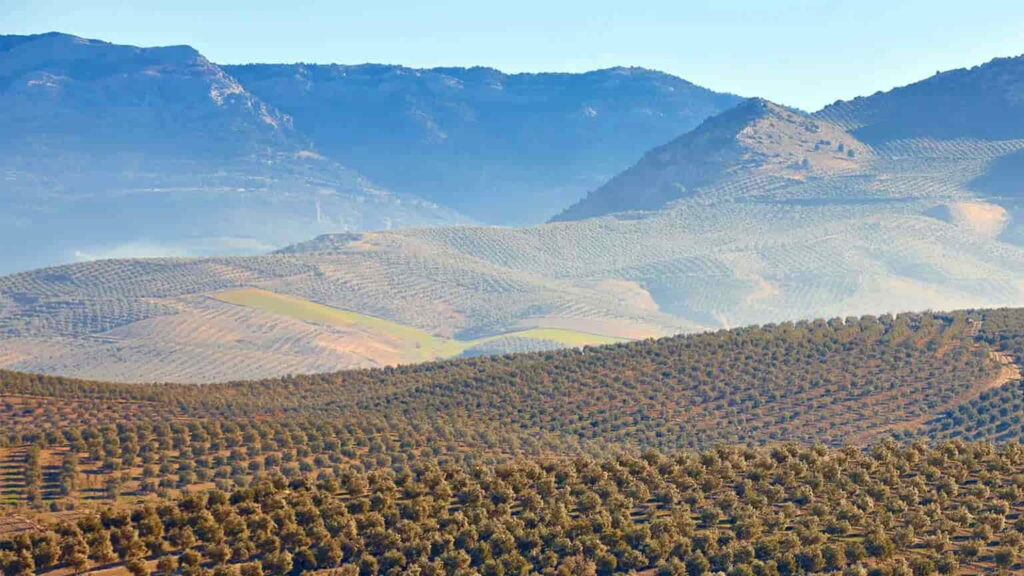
426, 345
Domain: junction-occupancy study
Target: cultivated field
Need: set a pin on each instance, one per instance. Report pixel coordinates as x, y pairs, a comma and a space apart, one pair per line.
806, 448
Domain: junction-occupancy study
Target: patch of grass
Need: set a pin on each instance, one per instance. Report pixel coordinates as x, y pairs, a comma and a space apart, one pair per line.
560, 335
319, 314
427, 345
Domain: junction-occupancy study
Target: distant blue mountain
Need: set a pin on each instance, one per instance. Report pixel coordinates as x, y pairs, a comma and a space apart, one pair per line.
502, 148
112, 150
130, 151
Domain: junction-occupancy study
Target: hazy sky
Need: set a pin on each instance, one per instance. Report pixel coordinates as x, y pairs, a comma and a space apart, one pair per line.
800, 53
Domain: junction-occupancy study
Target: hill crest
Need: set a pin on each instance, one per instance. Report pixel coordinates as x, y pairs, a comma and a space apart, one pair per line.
755, 138
981, 102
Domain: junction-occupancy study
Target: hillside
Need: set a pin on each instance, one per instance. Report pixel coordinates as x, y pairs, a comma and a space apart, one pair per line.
692, 268
757, 139
968, 118
507, 149
979, 103
136, 151
955, 110
857, 380
785, 510
575, 451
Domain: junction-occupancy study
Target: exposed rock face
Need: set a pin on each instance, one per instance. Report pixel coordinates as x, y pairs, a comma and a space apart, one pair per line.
61, 91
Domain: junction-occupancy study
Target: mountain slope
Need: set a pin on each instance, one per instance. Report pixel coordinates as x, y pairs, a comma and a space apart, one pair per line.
985, 102
130, 150
756, 138
502, 148
696, 266
955, 113
961, 130
113, 98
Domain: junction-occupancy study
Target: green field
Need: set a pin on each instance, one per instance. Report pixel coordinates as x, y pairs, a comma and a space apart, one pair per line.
426, 345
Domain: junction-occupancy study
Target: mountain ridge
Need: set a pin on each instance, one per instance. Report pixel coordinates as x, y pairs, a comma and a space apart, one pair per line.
756, 136
159, 151
167, 153
983, 101
503, 148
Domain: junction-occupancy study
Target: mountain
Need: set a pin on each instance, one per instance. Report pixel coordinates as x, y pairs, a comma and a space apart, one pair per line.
761, 214
985, 102
502, 148
967, 118
956, 112
128, 150
159, 152
756, 138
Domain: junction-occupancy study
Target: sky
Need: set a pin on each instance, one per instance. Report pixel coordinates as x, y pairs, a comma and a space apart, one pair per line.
799, 53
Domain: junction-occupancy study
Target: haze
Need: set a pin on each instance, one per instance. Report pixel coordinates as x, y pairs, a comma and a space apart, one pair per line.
800, 53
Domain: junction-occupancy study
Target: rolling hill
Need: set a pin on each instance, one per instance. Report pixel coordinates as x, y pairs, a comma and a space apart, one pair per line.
841, 381
760, 449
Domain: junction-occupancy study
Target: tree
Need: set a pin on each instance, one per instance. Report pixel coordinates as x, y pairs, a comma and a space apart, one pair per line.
947, 564
19, 563
1004, 557
74, 552
138, 567
279, 562
577, 566
250, 569
189, 558
855, 570
166, 565
697, 564
219, 553
834, 556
